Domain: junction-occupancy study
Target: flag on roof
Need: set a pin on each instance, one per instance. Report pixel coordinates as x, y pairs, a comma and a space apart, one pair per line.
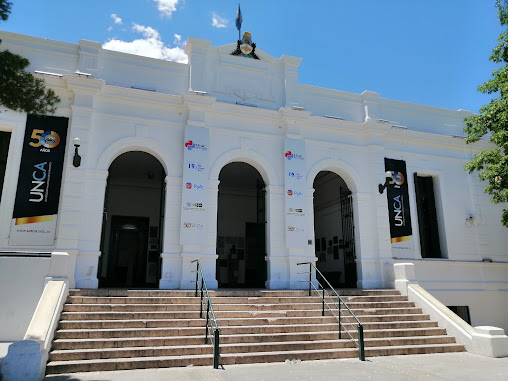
239, 18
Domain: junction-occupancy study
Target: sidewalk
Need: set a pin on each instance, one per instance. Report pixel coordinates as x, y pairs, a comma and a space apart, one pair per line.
448, 366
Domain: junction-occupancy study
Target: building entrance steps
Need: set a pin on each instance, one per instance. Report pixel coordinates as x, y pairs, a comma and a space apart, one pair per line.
104, 330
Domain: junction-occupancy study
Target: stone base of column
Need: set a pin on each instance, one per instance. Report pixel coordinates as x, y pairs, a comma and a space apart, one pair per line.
86, 269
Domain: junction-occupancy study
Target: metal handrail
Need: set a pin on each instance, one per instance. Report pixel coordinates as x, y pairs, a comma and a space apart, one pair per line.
360, 342
211, 324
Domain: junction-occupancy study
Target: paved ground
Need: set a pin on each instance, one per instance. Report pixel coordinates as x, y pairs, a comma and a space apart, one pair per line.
449, 366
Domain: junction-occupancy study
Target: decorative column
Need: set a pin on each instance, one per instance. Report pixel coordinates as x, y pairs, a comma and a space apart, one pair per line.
367, 257
80, 224
196, 218
277, 260
370, 105
171, 271
91, 211
290, 72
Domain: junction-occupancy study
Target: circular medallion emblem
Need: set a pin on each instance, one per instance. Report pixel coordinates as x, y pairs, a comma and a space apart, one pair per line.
50, 139
246, 48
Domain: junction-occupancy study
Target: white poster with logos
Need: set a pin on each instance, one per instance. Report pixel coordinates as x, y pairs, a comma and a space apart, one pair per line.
294, 159
195, 180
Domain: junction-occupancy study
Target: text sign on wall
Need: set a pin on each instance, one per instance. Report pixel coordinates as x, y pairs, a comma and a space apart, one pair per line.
195, 180
294, 159
40, 179
398, 208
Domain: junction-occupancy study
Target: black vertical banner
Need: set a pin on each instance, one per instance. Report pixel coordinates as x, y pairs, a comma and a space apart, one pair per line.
39, 182
398, 202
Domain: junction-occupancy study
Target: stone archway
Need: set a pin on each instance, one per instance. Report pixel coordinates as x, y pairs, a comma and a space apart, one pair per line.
133, 220
241, 227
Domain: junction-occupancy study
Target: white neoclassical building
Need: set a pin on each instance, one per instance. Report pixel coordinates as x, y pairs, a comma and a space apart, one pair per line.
230, 160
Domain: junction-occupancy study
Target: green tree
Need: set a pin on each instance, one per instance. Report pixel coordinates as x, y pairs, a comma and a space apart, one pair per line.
492, 164
19, 89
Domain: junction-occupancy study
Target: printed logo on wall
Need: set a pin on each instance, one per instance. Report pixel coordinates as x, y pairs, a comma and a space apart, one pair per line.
290, 156
294, 154
40, 178
194, 196
190, 145
398, 207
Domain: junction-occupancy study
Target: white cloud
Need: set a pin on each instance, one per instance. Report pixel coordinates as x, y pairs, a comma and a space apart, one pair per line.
166, 7
146, 31
219, 22
110, 29
150, 46
116, 19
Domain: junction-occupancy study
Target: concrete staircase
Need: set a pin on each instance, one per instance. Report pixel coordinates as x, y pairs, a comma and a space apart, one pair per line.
103, 330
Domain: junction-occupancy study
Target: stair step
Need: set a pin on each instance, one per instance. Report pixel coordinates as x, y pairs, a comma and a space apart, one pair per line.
223, 307
235, 358
197, 349
104, 315
199, 322
103, 329
217, 293
230, 300
269, 329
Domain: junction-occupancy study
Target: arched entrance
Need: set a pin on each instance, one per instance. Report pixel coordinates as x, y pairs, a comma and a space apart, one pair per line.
241, 222
334, 230
133, 220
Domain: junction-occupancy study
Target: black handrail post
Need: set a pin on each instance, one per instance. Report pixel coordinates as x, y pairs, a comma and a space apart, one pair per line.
340, 322
207, 318
361, 346
202, 295
323, 304
197, 278
216, 354
201, 304
310, 278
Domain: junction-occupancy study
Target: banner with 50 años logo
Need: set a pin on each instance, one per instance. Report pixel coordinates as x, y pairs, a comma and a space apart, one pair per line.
195, 180
40, 178
398, 208
294, 159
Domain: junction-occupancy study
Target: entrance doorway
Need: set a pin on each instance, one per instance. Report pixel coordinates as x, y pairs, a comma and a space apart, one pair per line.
133, 220
427, 217
241, 224
334, 230
5, 138
127, 262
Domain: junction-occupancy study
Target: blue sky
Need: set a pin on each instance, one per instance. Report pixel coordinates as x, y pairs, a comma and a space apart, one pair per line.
432, 52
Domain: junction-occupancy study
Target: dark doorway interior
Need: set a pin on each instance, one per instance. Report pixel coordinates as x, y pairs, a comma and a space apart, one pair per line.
133, 222
241, 223
334, 231
427, 217
5, 138
128, 246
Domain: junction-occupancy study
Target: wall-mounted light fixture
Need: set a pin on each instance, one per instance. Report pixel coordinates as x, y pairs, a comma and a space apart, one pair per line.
197, 92
76, 161
388, 177
81, 74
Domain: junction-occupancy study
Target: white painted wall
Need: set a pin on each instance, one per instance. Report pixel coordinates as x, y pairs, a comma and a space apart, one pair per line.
21, 285
111, 118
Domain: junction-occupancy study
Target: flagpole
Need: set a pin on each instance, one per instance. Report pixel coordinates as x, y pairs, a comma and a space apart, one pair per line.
239, 21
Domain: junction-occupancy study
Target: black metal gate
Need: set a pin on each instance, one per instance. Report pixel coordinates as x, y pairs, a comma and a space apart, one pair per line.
348, 237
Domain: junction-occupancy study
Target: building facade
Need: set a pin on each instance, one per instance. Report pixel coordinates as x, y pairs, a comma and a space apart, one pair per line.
230, 160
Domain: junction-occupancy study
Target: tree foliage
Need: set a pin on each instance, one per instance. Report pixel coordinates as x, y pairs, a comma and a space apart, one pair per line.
492, 164
19, 89
5, 9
